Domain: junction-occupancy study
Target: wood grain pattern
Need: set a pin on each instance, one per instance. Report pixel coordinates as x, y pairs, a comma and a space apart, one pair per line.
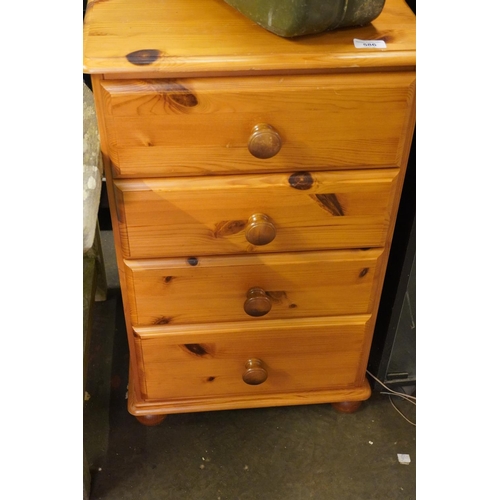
202, 126
138, 406
209, 215
179, 87
306, 355
305, 284
124, 36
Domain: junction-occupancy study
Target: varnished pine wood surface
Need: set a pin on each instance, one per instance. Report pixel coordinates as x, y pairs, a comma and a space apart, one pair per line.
203, 126
209, 360
125, 36
209, 215
150, 62
302, 284
138, 406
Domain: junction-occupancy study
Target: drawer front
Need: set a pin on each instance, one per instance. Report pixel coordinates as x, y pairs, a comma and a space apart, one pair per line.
252, 288
254, 213
235, 359
201, 126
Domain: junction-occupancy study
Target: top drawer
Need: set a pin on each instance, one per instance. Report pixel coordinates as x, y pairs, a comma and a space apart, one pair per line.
167, 127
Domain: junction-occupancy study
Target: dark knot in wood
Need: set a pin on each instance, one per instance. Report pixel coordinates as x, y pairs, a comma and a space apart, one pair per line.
301, 180
143, 57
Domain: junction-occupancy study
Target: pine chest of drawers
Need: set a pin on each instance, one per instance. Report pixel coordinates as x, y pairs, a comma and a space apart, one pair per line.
254, 183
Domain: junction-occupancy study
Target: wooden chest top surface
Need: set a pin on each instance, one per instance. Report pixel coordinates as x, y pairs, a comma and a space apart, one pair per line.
211, 37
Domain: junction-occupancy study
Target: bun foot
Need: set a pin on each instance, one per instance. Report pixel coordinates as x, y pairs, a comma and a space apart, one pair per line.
347, 406
150, 420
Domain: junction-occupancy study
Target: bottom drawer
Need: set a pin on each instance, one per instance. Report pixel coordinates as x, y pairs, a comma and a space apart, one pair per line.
239, 359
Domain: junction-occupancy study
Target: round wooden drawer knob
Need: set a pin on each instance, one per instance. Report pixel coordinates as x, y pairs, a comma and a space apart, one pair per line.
264, 142
257, 303
260, 230
255, 373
